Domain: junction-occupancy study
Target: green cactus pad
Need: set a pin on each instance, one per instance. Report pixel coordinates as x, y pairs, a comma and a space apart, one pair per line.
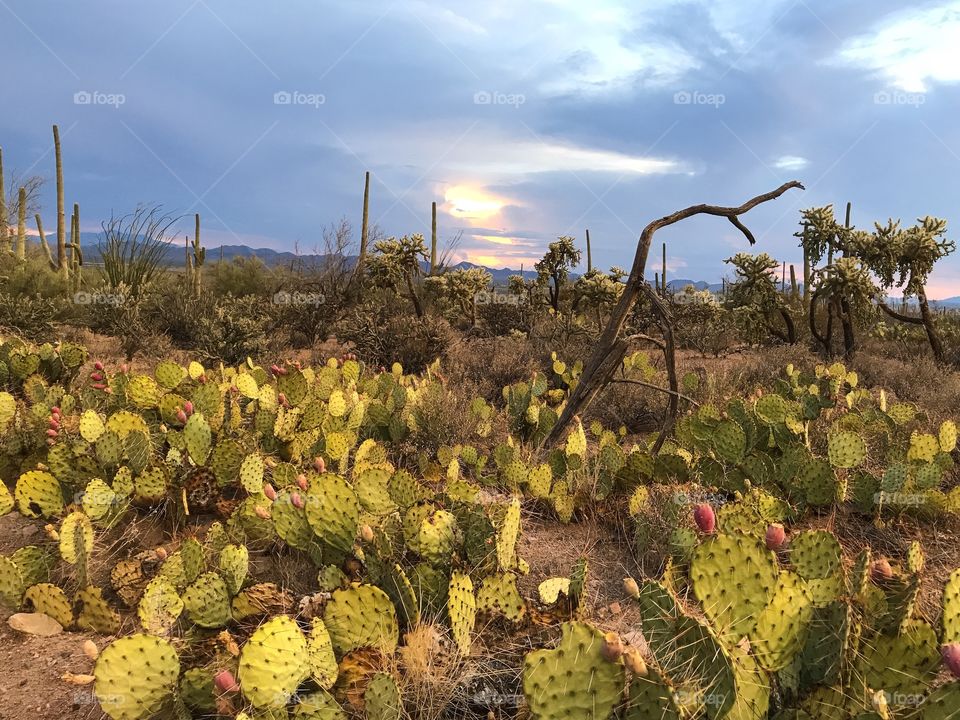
905, 663
943, 703
99, 500
197, 435
76, 538
38, 494
817, 482
371, 487
508, 533
197, 690
405, 491
573, 680
498, 595
652, 696
136, 677
234, 563
207, 601
94, 613
382, 698
461, 610
251, 474
783, 624
333, 511
951, 609
11, 583
50, 600
733, 577
397, 585
815, 554
437, 537
323, 661
291, 522
160, 607
827, 646
729, 442
273, 663
846, 449
361, 616
315, 706
91, 426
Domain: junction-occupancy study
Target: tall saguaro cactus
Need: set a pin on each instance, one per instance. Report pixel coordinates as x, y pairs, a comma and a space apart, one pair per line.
76, 253
3, 206
61, 217
365, 223
433, 238
22, 224
44, 244
589, 253
196, 259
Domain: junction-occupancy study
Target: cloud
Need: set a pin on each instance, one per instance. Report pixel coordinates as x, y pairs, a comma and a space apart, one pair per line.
910, 49
791, 162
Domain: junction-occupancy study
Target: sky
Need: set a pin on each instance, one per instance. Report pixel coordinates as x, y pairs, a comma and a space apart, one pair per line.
524, 121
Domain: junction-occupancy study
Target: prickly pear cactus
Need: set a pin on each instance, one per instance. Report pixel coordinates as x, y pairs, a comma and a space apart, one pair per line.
160, 607
38, 494
198, 438
323, 662
382, 698
498, 595
733, 577
234, 562
783, 624
574, 680
951, 609
136, 677
333, 511
273, 663
207, 601
507, 535
361, 616
462, 610
846, 449
50, 600
94, 613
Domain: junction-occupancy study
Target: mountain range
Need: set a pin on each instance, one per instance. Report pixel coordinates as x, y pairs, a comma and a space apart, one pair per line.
174, 256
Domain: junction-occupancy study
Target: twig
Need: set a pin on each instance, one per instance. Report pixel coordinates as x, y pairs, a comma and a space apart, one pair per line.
680, 395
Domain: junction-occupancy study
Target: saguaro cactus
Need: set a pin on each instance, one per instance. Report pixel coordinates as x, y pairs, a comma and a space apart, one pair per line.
589, 253
663, 276
76, 253
22, 224
61, 217
3, 206
433, 238
365, 226
44, 244
195, 261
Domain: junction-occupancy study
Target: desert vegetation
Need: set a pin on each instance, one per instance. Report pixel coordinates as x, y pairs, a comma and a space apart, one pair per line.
374, 484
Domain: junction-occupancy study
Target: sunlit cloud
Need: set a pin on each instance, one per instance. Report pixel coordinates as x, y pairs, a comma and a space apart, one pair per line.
469, 203
791, 162
910, 49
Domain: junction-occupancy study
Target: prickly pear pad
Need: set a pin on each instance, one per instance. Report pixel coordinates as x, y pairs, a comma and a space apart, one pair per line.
136, 676
273, 663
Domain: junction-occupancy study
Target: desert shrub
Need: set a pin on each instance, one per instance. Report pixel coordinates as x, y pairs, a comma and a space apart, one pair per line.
503, 318
32, 316
30, 277
491, 364
382, 339
442, 416
242, 276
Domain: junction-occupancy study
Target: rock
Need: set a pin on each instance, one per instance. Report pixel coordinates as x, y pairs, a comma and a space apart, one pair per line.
615, 608
35, 624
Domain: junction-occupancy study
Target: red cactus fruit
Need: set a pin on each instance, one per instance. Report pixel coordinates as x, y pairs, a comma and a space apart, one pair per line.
275, 369
182, 416
96, 376
705, 518
226, 682
99, 386
52, 433
319, 465
302, 481
880, 570
261, 512
55, 411
951, 658
776, 537
124, 368
188, 407
296, 500
269, 492
282, 399
54, 423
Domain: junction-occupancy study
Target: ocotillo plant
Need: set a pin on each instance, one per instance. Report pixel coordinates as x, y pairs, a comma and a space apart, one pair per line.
195, 261
61, 217
22, 224
433, 238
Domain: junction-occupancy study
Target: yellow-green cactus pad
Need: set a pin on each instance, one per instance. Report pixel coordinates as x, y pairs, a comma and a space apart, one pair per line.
136, 677
273, 663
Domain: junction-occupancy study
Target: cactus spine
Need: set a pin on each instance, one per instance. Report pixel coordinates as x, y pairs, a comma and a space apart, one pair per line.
433, 238
61, 217
195, 261
22, 224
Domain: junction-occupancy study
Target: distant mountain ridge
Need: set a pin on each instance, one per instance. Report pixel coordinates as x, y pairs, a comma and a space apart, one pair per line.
175, 256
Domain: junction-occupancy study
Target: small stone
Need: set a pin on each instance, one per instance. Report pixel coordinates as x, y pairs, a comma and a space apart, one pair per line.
615, 608
35, 624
